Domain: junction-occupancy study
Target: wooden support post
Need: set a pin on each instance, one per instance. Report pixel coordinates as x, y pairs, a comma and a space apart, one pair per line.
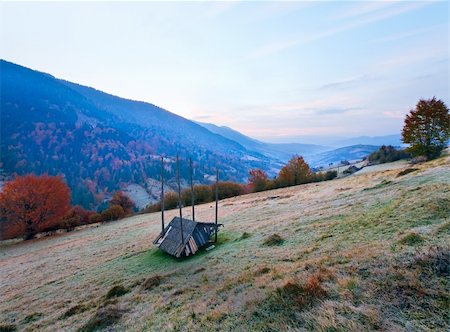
217, 201
162, 195
192, 191
179, 199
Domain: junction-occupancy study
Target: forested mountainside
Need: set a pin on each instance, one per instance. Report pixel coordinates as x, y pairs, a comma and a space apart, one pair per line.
101, 143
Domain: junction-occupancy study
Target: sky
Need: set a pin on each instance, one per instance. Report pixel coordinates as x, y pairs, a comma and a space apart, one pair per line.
277, 71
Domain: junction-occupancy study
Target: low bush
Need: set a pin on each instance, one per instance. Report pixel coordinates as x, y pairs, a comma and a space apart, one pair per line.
77, 216
123, 201
330, 175
170, 200
11, 230
114, 212
202, 194
228, 189
94, 218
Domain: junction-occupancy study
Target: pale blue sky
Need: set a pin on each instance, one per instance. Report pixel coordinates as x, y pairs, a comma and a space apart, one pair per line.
272, 70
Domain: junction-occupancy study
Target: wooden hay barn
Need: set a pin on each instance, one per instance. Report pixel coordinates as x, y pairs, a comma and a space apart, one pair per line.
183, 237
195, 235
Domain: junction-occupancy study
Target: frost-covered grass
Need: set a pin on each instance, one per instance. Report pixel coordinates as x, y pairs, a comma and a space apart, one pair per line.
365, 252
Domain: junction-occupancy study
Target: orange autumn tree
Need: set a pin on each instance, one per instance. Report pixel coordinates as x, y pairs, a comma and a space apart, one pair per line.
258, 180
34, 202
296, 172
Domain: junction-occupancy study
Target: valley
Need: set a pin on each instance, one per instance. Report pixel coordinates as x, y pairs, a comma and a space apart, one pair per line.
370, 251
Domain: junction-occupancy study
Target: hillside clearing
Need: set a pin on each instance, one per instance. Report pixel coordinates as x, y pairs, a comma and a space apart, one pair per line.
366, 252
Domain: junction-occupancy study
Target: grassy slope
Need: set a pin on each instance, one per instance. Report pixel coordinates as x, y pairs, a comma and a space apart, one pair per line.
365, 252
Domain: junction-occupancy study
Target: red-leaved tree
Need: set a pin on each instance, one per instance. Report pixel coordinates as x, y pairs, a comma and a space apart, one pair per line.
34, 203
257, 179
427, 128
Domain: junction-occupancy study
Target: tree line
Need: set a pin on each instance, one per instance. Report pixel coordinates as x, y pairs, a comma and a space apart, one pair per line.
30, 204
295, 172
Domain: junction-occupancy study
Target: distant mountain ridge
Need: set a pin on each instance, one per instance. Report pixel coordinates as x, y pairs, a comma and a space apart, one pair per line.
101, 142
394, 140
348, 153
281, 151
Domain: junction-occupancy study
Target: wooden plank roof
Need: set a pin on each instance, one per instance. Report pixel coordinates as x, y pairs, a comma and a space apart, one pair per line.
170, 239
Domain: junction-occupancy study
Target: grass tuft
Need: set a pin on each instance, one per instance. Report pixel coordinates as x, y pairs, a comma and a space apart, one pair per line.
116, 291
406, 171
79, 308
380, 185
434, 259
103, 317
33, 317
262, 270
411, 239
245, 235
151, 282
273, 240
287, 301
8, 328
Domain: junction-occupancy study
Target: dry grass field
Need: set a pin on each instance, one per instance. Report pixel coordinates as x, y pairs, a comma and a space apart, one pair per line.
365, 252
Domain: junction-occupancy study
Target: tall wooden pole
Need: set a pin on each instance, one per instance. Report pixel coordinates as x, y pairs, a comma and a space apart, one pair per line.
162, 194
192, 191
217, 200
179, 199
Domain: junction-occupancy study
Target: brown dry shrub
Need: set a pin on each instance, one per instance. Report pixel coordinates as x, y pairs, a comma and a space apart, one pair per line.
77, 216
151, 282
114, 212
116, 291
95, 218
104, 316
301, 294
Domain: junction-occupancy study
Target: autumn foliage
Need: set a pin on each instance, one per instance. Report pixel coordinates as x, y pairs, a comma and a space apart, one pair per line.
427, 128
30, 204
296, 172
77, 216
257, 179
123, 201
